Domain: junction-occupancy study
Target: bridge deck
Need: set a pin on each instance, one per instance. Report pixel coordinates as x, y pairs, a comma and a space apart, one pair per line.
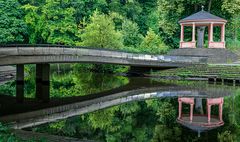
12, 55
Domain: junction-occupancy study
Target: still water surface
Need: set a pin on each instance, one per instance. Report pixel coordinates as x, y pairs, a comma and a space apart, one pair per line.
115, 108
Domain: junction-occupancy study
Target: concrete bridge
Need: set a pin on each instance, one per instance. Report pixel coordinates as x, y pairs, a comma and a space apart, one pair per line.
43, 55
63, 108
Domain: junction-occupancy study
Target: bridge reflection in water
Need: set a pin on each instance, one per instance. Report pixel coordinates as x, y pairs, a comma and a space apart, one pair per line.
43, 55
32, 112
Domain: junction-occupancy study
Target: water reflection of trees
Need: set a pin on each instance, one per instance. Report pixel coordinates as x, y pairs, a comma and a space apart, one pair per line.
150, 120
138, 121
72, 83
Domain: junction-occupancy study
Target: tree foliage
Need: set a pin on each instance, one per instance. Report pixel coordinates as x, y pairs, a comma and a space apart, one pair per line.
100, 32
153, 42
12, 27
131, 35
170, 12
52, 22
56, 21
233, 7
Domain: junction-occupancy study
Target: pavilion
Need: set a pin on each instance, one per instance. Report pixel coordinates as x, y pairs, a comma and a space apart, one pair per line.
202, 19
200, 122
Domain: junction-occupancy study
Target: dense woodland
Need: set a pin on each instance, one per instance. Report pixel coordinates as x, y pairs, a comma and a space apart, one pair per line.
129, 25
142, 26
151, 120
132, 25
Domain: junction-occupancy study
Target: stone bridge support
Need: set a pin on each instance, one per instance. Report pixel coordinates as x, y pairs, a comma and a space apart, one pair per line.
42, 82
20, 83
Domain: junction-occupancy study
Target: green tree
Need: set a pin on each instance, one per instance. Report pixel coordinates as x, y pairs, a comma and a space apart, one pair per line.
170, 12
163, 133
152, 21
226, 136
166, 113
52, 22
153, 43
100, 32
12, 27
146, 19
233, 7
85, 8
104, 120
35, 23
131, 35
128, 8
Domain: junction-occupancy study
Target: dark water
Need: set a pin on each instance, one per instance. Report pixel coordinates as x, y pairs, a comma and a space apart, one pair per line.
115, 108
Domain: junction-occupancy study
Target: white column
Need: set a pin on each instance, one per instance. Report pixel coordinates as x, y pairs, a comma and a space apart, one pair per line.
220, 111
211, 32
209, 113
191, 112
182, 33
179, 109
223, 33
193, 33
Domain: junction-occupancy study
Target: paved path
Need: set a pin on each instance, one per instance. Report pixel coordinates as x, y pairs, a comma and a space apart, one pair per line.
7, 73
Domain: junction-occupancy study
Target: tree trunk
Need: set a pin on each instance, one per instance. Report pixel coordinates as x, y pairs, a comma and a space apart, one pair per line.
195, 7
201, 30
200, 39
209, 5
235, 31
199, 106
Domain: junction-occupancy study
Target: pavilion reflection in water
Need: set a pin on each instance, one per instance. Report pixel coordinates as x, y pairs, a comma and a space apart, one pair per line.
200, 122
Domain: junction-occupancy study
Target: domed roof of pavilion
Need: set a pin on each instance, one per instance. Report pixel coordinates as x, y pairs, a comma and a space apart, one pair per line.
202, 16
200, 123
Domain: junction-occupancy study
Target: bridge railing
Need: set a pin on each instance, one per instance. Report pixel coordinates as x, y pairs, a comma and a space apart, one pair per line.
114, 53
65, 46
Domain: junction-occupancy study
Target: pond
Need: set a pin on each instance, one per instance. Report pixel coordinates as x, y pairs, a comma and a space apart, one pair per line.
103, 107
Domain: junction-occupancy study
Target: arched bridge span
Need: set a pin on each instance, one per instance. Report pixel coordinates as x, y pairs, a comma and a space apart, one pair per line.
86, 104
43, 55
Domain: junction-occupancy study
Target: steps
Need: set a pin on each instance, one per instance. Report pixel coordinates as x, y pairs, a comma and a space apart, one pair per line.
214, 55
213, 73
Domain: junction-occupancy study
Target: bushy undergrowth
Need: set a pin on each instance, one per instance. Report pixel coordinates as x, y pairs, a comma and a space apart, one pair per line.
233, 44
